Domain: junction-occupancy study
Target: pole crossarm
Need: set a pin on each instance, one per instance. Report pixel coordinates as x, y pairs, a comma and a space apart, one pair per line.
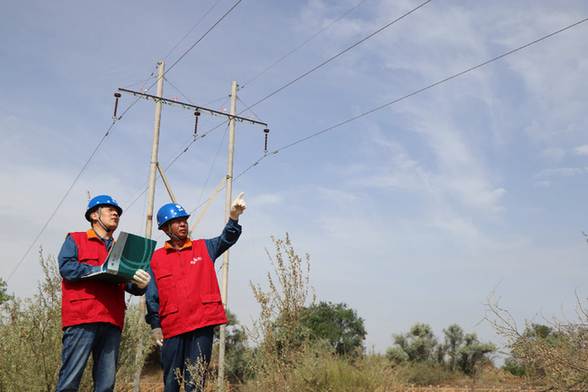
189, 106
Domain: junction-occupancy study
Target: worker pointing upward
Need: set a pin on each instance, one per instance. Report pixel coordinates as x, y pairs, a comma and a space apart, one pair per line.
183, 298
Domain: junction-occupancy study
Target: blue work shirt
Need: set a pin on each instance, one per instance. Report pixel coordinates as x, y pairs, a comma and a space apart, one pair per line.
215, 246
72, 270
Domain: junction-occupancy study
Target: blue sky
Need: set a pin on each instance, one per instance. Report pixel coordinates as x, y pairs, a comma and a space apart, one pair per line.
415, 213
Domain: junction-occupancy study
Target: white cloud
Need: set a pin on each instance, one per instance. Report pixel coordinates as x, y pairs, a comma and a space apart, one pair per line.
265, 199
561, 172
581, 150
423, 195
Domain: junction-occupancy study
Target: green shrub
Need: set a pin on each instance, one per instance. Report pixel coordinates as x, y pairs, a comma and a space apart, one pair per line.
555, 356
30, 339
424, 373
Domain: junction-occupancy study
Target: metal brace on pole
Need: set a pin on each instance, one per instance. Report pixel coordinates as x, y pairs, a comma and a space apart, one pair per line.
166, 183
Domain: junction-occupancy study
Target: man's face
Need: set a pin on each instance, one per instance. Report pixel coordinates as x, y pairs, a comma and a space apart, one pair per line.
179, 228
108, 216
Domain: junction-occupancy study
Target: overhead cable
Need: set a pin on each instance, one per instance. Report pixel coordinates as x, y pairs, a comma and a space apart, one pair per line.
187, 147
208, 11
342, 52
109, 129
411, 94
304, 43
202, 37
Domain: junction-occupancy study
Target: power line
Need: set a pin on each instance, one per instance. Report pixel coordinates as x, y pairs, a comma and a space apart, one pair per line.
169, 69
209, 103
304, 43
202, 37
305, 74
142, 82
60, 203
109, 129
181, 57
208, 11
171, 163
69, 189
186, 147
215, 100
415, 92
251, 110
199, 203
178, 90
213, 164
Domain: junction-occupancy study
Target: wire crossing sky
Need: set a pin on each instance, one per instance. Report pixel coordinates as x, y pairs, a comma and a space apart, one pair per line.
474, 185
108, 130
288, 84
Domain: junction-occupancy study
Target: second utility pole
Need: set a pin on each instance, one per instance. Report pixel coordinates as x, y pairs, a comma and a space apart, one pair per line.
228, 200
150, 201
154, 152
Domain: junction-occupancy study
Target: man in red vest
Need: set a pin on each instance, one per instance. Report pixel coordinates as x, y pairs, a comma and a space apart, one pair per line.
183, 298
92, 311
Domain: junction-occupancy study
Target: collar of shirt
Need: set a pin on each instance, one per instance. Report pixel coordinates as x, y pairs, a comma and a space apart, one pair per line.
187, 244
107, 241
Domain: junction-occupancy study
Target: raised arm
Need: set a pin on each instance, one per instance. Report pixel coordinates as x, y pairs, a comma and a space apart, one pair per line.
218, 245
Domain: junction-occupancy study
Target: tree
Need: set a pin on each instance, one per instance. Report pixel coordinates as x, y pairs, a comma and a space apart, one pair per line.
514, 367
554, 356
472, 354
396, 355
457, 352
419, 343
4, 296
339, 325
533, 335
453, 340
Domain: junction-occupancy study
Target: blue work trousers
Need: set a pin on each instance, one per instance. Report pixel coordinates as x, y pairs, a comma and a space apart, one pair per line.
187, 356
102, 340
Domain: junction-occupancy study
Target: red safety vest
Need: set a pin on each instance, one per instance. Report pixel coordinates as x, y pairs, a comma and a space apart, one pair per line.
189, 297
91, 301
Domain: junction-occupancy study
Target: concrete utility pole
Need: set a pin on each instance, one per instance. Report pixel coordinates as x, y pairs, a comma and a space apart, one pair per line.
150, 200
228, 182
154, 152
228, 200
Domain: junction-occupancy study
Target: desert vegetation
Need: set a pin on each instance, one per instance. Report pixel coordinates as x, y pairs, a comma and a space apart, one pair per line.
301, 343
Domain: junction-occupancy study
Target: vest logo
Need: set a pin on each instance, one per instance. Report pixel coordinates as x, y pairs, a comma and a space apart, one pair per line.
195, 260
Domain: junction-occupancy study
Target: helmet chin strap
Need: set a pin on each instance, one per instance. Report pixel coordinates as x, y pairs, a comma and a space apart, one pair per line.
170, 234
100, 221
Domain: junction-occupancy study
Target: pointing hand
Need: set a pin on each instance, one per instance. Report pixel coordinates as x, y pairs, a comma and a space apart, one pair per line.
238, 206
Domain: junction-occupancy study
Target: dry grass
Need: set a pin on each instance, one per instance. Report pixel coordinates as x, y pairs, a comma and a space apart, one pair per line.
30, 339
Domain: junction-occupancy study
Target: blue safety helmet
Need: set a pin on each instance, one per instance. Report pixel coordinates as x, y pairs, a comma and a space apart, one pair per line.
168, 212
99, 201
